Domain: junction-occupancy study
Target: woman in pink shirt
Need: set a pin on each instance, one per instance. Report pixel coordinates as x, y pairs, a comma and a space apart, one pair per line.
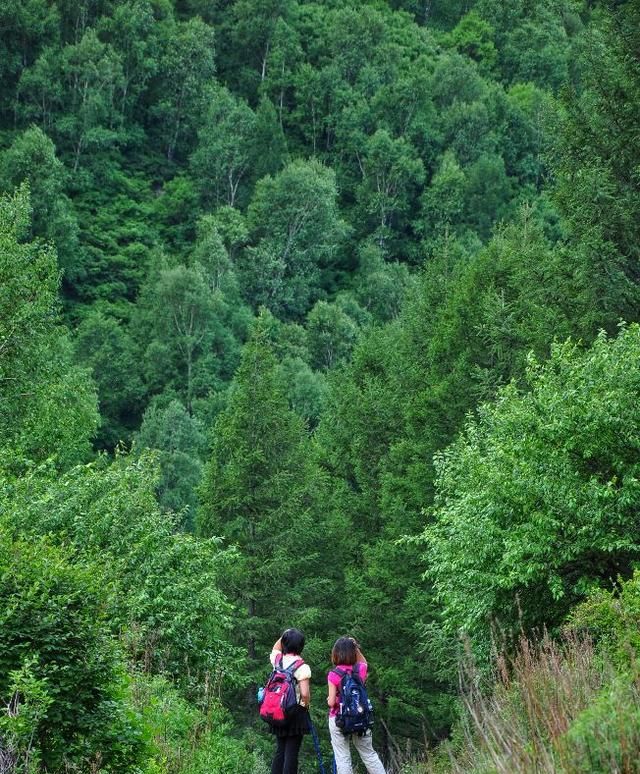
347, 656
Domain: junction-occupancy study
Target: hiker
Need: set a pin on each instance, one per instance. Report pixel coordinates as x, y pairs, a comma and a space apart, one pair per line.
286, 653
350, 673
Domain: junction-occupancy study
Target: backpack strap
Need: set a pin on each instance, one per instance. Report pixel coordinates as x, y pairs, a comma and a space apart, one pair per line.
340, 672
295, 666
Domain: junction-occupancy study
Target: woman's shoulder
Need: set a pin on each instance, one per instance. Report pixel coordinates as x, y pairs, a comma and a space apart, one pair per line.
303, 672
336, 673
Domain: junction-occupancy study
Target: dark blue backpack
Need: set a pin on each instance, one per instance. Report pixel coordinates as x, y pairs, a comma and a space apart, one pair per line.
355, 714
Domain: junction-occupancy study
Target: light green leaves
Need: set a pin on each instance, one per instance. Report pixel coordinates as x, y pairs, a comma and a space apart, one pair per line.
538, 496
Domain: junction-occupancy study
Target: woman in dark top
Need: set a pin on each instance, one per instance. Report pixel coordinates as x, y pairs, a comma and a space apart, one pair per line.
289, 737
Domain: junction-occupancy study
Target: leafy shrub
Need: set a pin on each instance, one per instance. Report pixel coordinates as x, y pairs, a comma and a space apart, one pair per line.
164, 585
605, 737
184, 739
27, 708
61, 673
613, 619
544, 486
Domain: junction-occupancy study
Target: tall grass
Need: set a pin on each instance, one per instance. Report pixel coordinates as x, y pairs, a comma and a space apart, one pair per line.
556, 707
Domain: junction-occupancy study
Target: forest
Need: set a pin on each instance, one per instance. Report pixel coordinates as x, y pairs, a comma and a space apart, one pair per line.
325, 314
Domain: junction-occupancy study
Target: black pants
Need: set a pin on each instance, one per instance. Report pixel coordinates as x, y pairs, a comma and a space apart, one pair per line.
285, 761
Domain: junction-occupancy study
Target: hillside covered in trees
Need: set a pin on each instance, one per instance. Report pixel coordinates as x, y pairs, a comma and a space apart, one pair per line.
319, 314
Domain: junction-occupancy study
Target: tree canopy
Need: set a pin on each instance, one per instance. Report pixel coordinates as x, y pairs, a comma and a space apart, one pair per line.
315, 314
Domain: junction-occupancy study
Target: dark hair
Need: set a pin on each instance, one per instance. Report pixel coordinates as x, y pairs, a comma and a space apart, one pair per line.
293, 641
344, 651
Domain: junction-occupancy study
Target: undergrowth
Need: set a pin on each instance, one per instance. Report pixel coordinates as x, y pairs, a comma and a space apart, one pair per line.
566, 705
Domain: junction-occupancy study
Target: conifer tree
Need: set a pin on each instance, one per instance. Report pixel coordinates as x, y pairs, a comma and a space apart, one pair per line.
263, 492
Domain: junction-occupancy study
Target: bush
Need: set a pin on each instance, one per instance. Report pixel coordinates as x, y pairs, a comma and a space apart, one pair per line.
187, 740
605, 737
61, 673
164, 585
538, 499
613, 619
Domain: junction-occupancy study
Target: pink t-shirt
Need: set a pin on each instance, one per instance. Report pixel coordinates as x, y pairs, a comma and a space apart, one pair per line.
336, 679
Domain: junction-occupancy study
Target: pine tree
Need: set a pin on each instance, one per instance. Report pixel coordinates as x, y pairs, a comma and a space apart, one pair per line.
263, 492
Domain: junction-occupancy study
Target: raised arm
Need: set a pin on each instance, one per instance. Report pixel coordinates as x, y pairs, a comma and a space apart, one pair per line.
277, 648
359, 655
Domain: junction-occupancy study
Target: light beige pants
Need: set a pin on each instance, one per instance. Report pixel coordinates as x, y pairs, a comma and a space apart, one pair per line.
342, 751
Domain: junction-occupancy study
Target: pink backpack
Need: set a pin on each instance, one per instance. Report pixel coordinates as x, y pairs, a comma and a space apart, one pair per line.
280, 693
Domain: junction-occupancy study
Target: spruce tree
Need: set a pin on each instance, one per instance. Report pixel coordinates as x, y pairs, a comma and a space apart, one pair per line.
263, 492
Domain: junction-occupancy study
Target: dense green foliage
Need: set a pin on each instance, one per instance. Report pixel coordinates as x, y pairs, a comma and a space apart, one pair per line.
544, 486
263, 491
317, 314
48, 406
93, 574
60, 664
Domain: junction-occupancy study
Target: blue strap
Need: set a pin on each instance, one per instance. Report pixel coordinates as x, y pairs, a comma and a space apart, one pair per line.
291, 669
316, 744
